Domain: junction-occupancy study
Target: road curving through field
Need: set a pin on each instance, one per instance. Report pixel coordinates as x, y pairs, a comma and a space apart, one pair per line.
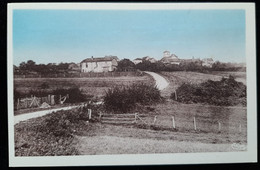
161, 82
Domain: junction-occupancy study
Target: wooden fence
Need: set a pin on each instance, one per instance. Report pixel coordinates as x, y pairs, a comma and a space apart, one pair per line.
79, 75
170, 123
32, 102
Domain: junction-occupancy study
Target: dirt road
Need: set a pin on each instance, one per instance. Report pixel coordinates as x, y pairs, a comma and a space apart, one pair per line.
161, 82
31, 115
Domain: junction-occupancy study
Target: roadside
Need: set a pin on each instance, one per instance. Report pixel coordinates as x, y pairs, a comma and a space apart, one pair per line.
27, 116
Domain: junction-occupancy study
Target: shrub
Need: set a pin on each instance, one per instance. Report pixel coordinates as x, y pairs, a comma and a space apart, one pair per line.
44, 85
126, 98
52, 134
74, 95
226, 92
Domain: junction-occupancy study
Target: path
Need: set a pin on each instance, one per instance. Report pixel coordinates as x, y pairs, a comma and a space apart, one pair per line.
31, 115
161, 82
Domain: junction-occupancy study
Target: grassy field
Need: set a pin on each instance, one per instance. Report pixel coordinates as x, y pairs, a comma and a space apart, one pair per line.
158, 137
95, 86
179, 77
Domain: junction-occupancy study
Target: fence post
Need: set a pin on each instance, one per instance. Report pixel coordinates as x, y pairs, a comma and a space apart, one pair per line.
219, 126
240, 128
135, 117
175, 95
154, 120
195, 126
173, 122
100, 116
89, 113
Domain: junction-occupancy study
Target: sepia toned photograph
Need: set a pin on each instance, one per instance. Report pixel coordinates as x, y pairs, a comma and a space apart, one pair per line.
124, 84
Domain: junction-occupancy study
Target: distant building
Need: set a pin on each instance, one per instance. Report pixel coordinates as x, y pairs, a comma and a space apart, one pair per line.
103, 64
166, 54
111, 56
151, 59
137, 60
147, 58
169, 58
208, 62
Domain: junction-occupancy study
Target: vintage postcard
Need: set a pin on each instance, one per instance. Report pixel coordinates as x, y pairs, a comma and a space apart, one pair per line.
131, 83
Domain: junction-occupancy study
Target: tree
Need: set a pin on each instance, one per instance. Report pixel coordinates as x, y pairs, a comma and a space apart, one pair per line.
125, 65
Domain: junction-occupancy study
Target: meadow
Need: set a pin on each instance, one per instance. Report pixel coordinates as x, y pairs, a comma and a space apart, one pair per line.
95, 86
217, 127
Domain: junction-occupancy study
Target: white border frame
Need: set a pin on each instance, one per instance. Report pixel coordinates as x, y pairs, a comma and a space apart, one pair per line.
144, 159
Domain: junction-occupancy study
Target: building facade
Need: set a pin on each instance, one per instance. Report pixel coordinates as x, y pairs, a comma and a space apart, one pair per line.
104, 64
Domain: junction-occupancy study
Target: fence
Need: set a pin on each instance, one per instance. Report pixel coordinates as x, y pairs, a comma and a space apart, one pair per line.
174, 123
78, 75
32, 102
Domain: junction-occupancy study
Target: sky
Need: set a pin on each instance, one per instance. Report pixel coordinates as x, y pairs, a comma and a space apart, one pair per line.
54, 36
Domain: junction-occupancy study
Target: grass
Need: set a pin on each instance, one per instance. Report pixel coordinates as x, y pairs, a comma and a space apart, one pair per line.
177, 78
97, 138
68, 133
95, 86
127, 145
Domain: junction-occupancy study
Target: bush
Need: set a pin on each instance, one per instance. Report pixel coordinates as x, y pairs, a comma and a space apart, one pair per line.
127, 98
53, 134
74, 95
226, 92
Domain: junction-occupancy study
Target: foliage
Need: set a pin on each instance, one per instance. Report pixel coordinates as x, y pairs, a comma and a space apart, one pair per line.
226, 92
125, 65
74, 94
52, 134
127, 98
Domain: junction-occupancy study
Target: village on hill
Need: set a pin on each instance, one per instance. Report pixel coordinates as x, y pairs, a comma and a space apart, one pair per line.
111, 63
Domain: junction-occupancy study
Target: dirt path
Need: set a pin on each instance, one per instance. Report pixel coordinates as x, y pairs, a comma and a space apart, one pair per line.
161, 82
31, 115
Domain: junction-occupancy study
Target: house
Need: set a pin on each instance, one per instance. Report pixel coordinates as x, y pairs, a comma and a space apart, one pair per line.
137, 60
102, 64
147, 58
111, 56
208, 62
169, 58
166, 53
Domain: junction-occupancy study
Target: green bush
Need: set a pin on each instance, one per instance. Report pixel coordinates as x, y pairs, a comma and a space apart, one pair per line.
53, 134
226, 92
126, 98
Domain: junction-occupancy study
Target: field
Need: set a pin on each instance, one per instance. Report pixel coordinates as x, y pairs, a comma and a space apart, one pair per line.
95, 86
217, 128
177, 78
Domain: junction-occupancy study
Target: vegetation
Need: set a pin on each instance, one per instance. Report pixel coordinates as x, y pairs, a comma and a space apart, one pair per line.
54, 133
127, 98
31, 68
74, 94
226, 92
125, 65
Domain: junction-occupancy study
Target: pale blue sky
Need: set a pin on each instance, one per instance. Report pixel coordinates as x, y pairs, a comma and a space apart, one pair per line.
54, 36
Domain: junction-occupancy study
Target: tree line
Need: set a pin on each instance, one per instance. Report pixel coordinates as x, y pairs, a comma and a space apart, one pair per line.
158, 66
30, 67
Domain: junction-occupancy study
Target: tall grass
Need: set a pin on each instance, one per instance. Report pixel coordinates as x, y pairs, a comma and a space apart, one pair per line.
126, 98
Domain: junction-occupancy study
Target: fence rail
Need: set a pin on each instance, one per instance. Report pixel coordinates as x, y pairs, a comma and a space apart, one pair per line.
196, 124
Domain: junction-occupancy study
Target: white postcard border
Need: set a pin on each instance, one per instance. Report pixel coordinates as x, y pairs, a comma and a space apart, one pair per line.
144, 159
